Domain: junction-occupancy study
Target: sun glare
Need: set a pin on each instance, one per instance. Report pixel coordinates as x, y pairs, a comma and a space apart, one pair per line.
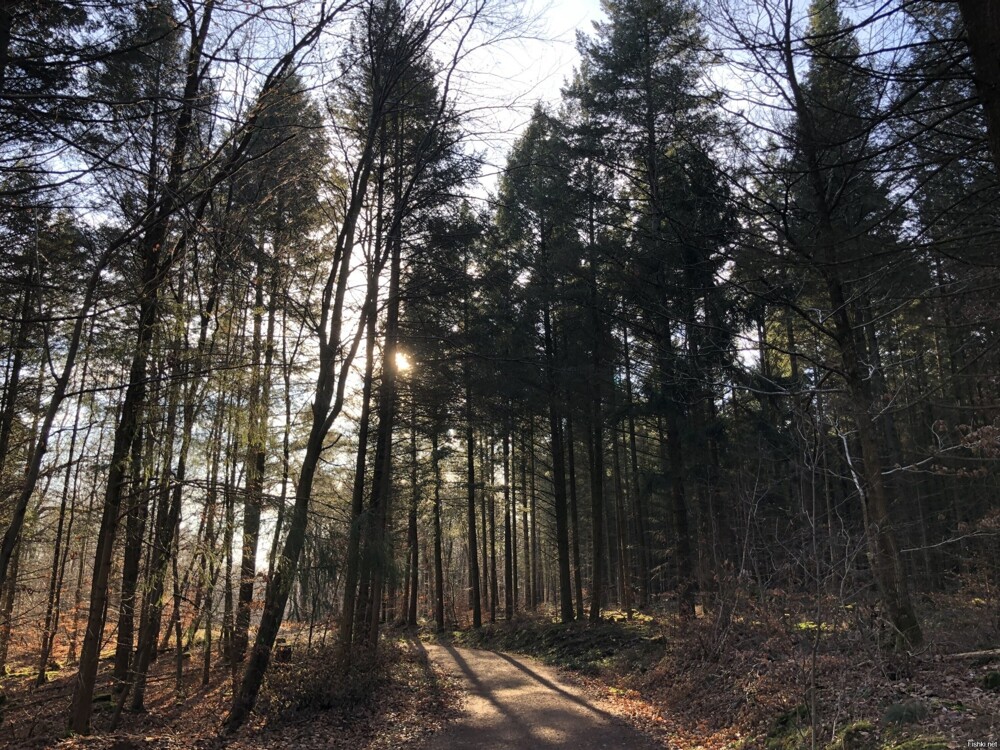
402, 363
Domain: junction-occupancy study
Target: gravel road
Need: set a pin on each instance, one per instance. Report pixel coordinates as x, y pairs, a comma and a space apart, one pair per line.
516, 702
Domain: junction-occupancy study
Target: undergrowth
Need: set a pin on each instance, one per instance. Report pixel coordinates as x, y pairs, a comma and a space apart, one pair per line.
753, 680
612, 645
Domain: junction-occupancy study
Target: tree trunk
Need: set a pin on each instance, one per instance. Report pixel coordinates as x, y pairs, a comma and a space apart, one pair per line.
358, 519
514, 573
982, 27
60, 555
167, 526
558, 473
470, 455
537, 592
438, 566
382, 473
229, 499
508, 546
595, 445
621, 528
257, 408
491, 509
883, 550
208, 560
411, 531
672, 457
640, 509
574, 518
153, 276
529, 597
8, 592
135, 525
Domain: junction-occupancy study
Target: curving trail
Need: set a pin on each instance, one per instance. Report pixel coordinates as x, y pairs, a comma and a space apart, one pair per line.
516, 702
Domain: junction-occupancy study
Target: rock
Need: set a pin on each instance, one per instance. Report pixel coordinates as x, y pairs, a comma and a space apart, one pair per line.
907, 712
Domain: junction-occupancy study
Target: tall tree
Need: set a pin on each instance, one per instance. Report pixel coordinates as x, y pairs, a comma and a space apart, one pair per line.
642, 80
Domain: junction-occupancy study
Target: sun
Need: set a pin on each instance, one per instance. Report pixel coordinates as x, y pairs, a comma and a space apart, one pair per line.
402, 363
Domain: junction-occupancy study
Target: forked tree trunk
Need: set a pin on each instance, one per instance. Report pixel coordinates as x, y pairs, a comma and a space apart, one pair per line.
358, 520
262, 356
135, 526
387, 407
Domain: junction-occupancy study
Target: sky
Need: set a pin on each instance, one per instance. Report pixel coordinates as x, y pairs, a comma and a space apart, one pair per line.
520, 73
550, 60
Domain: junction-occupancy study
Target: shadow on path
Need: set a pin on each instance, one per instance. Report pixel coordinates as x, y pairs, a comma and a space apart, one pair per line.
519, 703
552, 686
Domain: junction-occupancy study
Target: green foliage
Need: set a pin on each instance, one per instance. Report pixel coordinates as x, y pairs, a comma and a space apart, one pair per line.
40, 94
287, 162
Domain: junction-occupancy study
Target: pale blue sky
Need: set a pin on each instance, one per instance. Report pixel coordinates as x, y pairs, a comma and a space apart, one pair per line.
558, 57
511, 78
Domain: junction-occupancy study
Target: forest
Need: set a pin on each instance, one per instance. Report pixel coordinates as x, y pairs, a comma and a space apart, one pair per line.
691, 385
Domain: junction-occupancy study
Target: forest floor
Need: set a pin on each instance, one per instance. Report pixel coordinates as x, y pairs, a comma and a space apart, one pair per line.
304, 705
773, 677
757, 680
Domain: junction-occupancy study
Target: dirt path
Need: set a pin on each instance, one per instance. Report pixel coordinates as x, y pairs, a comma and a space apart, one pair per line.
516, 702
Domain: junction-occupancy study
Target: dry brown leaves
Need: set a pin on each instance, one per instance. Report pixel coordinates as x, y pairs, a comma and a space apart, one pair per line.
411, 702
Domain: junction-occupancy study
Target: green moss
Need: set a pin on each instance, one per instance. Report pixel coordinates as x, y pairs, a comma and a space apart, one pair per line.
918, 743
20, 671
858, 735
812, 627
791, 731
792, 739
